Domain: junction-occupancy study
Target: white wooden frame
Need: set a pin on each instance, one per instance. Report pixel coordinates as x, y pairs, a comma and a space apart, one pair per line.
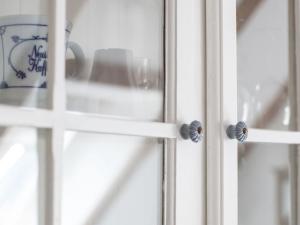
221, 111
190, 105
57, 119
222, 185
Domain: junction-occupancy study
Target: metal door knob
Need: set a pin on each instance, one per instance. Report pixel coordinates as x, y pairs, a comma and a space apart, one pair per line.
193, 131
238, 131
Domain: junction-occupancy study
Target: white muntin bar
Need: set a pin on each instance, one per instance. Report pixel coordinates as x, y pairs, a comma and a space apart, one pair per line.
52, 185
221, 110
92, 123
15, 116
272, 136
40, 118
169, 213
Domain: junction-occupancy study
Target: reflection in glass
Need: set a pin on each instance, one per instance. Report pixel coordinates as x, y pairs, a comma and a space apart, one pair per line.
19, 175
264, 59
111, 180
266, 184
267, 173
123, 71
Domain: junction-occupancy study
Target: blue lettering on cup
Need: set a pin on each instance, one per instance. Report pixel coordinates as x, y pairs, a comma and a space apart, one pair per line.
38, 60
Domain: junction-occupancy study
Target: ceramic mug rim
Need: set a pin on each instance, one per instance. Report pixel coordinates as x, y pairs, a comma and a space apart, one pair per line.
28, 18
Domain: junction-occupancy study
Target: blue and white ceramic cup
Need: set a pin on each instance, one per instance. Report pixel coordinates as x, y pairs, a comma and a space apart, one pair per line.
23, 51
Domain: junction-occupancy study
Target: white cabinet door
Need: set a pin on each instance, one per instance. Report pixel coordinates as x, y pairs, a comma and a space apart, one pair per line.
95, 137
253, 66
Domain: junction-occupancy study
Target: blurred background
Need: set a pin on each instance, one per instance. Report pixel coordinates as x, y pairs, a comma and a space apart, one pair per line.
266, 100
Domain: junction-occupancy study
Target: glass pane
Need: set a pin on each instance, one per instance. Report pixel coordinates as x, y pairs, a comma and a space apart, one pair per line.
112, 180
115, 62
267, 186
265, 61
19, 168
23, 53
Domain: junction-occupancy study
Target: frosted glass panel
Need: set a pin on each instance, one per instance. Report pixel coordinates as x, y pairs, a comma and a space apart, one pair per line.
19, 166
112, 180
267, 186
265, 64
117, 68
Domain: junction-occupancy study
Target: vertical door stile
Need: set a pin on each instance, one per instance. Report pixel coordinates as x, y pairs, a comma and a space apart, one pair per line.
190, 157
213, 113
221, 100
229, 153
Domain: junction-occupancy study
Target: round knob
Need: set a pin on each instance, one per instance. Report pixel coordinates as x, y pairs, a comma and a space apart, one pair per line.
238, 131
194, 131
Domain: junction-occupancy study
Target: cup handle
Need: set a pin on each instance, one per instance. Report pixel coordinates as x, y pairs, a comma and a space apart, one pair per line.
79, 58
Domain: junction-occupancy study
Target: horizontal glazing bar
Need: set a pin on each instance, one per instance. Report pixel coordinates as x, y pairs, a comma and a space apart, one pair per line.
14, 116
91, 123
40, 118
272, 136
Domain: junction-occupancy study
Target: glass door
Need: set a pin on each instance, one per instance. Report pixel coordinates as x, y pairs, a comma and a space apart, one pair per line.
259, 98
92, 98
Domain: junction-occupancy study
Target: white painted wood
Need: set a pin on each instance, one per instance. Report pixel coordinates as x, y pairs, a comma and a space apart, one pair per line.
221, 111
13, 116
170, 113
229, 113
190, 157
84, 122
57, 20
169, 185
272, 136
114, 126
213, 113
44, 153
